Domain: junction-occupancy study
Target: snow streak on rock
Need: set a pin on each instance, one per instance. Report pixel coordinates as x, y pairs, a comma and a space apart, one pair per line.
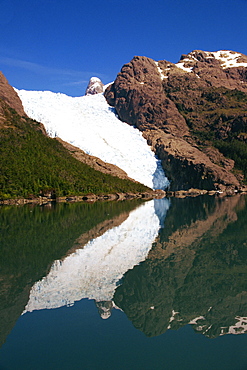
89, 123
95, 270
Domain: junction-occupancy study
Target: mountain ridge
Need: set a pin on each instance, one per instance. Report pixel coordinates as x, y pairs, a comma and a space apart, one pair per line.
193, 115
173, 103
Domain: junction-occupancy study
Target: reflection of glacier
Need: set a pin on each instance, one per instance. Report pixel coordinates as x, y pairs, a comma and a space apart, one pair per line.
95, 270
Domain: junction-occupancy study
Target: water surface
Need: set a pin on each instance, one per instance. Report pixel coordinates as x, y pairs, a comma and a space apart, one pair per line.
154, 285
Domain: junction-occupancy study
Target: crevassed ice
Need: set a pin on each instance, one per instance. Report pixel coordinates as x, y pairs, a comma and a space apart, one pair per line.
95, 270
89, 123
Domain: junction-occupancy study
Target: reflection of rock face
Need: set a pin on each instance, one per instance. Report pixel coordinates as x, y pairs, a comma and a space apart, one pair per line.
104, 309
194, 274
94, 270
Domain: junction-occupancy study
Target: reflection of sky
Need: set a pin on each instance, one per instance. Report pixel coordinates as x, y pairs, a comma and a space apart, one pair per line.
94, 271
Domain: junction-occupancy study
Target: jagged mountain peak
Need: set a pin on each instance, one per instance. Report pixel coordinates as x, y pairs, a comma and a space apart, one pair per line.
221, 58
175, 105
95, 86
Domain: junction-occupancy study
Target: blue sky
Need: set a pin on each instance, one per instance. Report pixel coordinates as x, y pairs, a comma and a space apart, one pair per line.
58, 45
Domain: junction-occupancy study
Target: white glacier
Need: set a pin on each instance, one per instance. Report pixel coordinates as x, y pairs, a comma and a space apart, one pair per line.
89, 123
94, 271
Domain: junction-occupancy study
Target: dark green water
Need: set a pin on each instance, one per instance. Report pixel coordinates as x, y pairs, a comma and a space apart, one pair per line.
183, 307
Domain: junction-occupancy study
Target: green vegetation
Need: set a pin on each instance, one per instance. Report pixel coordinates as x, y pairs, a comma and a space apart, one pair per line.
216, 117
235, 150
32, 237
32, 164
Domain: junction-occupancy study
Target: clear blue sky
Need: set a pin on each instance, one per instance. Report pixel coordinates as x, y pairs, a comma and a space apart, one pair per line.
58, 45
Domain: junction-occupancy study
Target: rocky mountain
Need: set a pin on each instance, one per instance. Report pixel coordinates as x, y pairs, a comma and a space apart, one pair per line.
193, 114
8, 95
95, 86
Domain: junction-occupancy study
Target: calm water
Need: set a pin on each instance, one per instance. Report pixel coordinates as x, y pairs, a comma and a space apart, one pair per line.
125, 285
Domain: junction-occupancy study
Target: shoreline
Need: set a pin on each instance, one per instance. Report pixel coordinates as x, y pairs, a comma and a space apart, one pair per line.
91, 198
87, 198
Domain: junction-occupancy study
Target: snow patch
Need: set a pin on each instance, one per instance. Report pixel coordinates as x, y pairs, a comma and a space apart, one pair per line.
227, 58
181, 65
194, 321
95, 80
239, 328
162, 76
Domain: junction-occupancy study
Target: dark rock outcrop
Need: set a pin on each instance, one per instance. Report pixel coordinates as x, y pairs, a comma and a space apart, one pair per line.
9, 100
175, 104
140, 100
8, 94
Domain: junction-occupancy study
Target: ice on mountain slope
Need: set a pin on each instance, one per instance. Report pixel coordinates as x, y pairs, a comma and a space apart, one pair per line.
95, 270
89, 123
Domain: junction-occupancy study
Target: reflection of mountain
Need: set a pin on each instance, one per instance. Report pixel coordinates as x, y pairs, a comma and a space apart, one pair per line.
31, 238
94, 270
195, 272
104, 308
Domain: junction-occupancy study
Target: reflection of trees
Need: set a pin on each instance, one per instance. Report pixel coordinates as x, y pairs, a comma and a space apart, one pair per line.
31, 238
195, 273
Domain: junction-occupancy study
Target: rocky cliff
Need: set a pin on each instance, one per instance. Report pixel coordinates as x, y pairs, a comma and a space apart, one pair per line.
187, 112
9, 99
8, 94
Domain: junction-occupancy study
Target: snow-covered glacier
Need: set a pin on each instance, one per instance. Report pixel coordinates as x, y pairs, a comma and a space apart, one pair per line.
89, 123
95, 270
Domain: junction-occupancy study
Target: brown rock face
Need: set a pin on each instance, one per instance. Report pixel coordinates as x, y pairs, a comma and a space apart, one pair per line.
140, 100
186, 166
9, 100
174, 104
8, 94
